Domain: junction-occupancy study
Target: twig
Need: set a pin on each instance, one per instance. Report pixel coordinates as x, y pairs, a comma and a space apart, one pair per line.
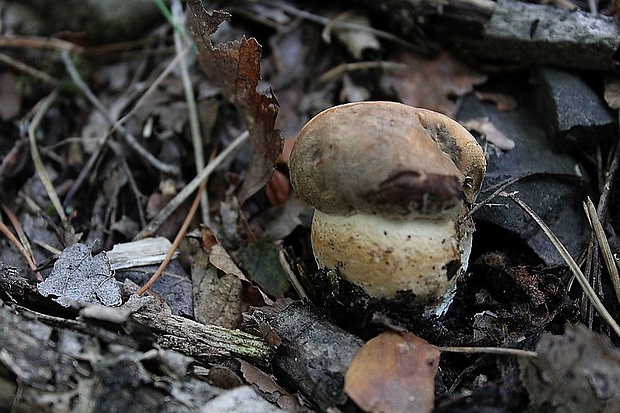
490, 350
43, 106
22, 67
581, 278
192, 111
36, 42
175, 243
501, 186
23, 239
191, 187
603, 243
153, 87
129, 138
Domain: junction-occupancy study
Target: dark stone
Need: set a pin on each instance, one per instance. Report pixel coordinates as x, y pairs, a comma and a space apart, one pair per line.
573, 114
547, 181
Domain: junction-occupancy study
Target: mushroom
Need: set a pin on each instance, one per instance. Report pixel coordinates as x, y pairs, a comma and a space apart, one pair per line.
391, 186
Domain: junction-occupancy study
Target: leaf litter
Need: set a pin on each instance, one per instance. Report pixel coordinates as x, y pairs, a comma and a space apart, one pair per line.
234, 71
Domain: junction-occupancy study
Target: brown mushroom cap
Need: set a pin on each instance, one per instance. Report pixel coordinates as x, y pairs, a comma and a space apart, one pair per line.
385, 158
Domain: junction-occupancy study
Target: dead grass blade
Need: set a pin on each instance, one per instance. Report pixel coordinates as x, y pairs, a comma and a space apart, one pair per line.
43, 106
581, 278
192, 110
597, 228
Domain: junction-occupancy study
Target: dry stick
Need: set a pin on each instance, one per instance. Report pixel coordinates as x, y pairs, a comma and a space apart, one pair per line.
581, 278
13, 239
153, 87
36, 42
22, 67
36, 156
602, 208
191, 187
490, 350
177, 241
194, 124
597, 228
23, 239
129, 138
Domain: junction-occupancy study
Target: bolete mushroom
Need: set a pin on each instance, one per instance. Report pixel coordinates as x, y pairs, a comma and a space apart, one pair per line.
391, 186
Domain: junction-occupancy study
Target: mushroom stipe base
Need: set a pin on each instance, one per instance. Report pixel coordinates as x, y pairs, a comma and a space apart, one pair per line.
352, 309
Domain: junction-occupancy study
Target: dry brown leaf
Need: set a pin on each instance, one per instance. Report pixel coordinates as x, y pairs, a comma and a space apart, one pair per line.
430, 83
235, 67
393, 373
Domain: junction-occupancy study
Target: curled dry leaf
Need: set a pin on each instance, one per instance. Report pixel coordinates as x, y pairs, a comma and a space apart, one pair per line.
235, 67
485, 127
393, 373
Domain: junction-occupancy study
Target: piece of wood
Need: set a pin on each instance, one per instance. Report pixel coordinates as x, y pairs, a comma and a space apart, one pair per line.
62, 365
313, 354
203, 341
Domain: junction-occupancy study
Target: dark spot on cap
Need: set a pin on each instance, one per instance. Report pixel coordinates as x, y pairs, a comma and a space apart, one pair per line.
411, 191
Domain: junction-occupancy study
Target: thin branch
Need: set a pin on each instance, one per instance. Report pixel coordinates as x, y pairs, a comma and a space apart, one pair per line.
23, 239
24, 68
129, 138
192, 111
13, 239
175, 244
345, 26
603, 243
490, 350
192, 186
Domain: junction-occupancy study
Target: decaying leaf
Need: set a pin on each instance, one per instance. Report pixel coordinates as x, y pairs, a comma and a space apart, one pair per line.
80, 276
491, 134
265, 385
578, 371
430, 83
260, 259
235, 67
393, 373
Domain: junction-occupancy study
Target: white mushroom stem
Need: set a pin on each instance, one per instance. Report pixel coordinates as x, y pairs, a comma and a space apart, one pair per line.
389, 183
385, 256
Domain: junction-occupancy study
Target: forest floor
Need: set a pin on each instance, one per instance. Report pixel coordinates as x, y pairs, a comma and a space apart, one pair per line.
154, 256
